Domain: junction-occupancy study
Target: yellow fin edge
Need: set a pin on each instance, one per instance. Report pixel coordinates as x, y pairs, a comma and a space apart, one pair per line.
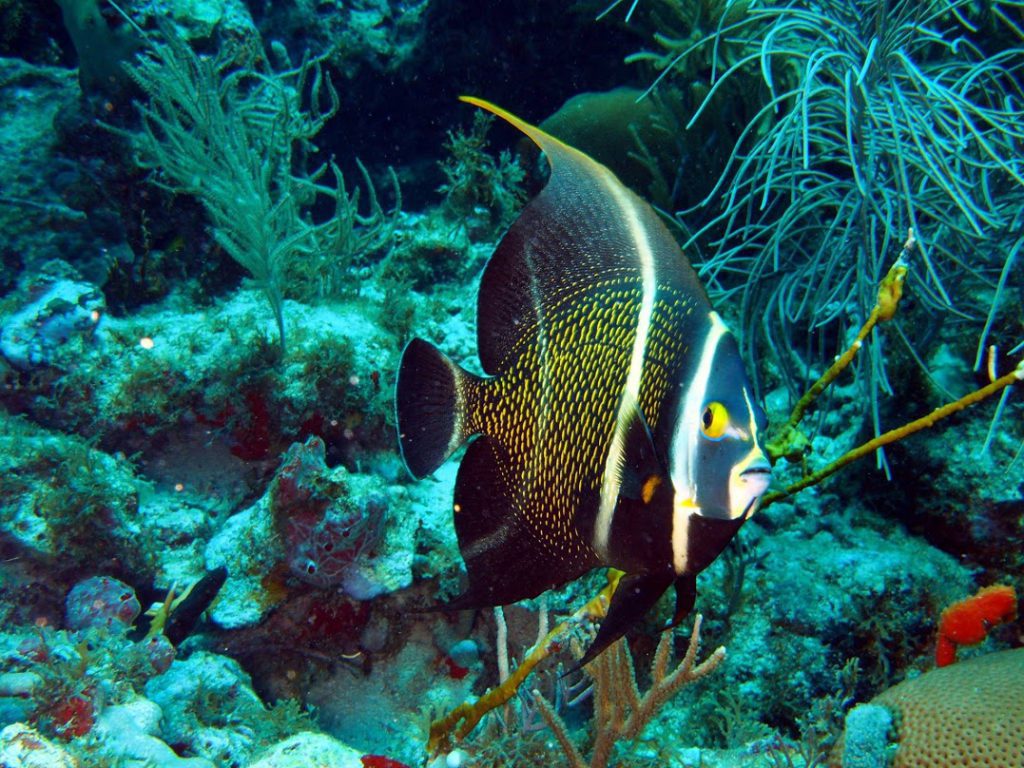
551, 146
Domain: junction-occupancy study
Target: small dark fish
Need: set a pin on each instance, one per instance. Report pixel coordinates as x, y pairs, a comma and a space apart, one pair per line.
183, 619
615, 425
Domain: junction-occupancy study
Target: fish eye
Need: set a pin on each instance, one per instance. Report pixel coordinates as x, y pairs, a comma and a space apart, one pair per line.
714, 421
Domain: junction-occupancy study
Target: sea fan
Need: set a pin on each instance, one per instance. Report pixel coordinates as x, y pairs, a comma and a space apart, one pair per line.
883, 116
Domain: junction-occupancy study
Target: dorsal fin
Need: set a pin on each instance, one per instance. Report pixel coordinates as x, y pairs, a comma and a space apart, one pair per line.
584, 227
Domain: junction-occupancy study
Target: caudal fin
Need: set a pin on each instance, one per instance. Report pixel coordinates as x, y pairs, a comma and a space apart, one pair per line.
431, 405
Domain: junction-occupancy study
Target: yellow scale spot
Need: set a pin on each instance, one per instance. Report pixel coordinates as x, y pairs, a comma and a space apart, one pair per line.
650, 486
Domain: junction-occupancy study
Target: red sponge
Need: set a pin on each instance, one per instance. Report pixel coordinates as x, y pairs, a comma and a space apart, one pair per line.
968, 621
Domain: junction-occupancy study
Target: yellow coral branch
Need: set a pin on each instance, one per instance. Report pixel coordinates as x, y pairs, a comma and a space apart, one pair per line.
464, 718
790, 442
1013, 377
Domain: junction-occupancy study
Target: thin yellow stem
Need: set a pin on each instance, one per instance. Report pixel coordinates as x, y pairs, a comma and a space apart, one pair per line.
465, 717
890, 291
899, 433
789, 442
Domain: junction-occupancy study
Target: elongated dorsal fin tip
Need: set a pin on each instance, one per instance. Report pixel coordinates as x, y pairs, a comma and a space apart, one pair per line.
551, 146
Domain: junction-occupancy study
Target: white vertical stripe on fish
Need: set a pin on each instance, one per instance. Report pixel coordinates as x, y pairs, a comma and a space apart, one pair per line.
612, 478
753, 421
682, 511
683, 452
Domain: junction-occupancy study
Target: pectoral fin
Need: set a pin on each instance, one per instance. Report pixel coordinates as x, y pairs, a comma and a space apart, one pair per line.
643, 472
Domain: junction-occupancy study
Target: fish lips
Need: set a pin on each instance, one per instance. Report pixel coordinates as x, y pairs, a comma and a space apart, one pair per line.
755, 479
749, 486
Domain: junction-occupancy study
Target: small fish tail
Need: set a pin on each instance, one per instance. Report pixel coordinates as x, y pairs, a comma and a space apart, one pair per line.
431, 400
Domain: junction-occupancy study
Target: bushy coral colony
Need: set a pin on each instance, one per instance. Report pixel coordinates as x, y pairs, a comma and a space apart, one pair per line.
222, 222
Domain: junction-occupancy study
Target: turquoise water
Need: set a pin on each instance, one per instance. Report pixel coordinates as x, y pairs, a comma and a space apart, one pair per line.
223, 222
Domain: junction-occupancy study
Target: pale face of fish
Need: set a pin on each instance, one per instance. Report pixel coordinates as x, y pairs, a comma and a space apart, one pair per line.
718, 467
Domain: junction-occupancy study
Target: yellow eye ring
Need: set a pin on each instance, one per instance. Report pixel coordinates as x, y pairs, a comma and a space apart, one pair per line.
714, 421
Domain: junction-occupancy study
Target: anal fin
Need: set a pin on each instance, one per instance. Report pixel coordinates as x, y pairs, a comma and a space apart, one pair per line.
642, 464
686, 596
503, 559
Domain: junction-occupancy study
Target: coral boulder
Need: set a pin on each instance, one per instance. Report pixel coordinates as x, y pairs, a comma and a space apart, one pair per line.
967, 715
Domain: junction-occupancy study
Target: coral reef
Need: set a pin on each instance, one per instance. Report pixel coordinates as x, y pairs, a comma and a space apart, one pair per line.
211, 555
326, 526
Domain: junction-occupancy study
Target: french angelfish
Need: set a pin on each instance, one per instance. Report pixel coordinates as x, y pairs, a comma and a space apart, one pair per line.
615, 425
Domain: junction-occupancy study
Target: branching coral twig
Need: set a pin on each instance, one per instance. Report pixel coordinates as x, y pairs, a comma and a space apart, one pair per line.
621, 712
464, 718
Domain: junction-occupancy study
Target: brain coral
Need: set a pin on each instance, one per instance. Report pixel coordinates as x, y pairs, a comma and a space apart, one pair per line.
967, 715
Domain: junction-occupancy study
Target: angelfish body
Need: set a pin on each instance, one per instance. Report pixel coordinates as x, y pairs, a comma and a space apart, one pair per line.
615, 425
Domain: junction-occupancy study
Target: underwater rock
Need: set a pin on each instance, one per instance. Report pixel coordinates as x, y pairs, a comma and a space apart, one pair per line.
465, 653
376, 35
102, 602
201, 15
814, 590
60, 497
178, 530
202, 698
160, 653
201, 396
324, 531
24, 747
17, 690
130, 732
332, 529
198, 19
248, 548
383, 713
58, 317
961, 499
19, 685
66, 681
64, 500
337, 526
306, 749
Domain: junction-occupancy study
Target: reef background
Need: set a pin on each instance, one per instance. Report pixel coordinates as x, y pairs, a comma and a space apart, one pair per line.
210, 553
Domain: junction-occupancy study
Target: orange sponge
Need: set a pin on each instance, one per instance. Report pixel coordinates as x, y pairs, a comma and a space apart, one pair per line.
968, 621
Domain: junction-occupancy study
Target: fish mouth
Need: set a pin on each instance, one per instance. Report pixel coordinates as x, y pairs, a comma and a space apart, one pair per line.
747, 484
755, 479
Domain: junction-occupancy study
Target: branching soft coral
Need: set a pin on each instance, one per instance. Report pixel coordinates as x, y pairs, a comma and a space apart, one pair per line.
620, 711
229, 133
